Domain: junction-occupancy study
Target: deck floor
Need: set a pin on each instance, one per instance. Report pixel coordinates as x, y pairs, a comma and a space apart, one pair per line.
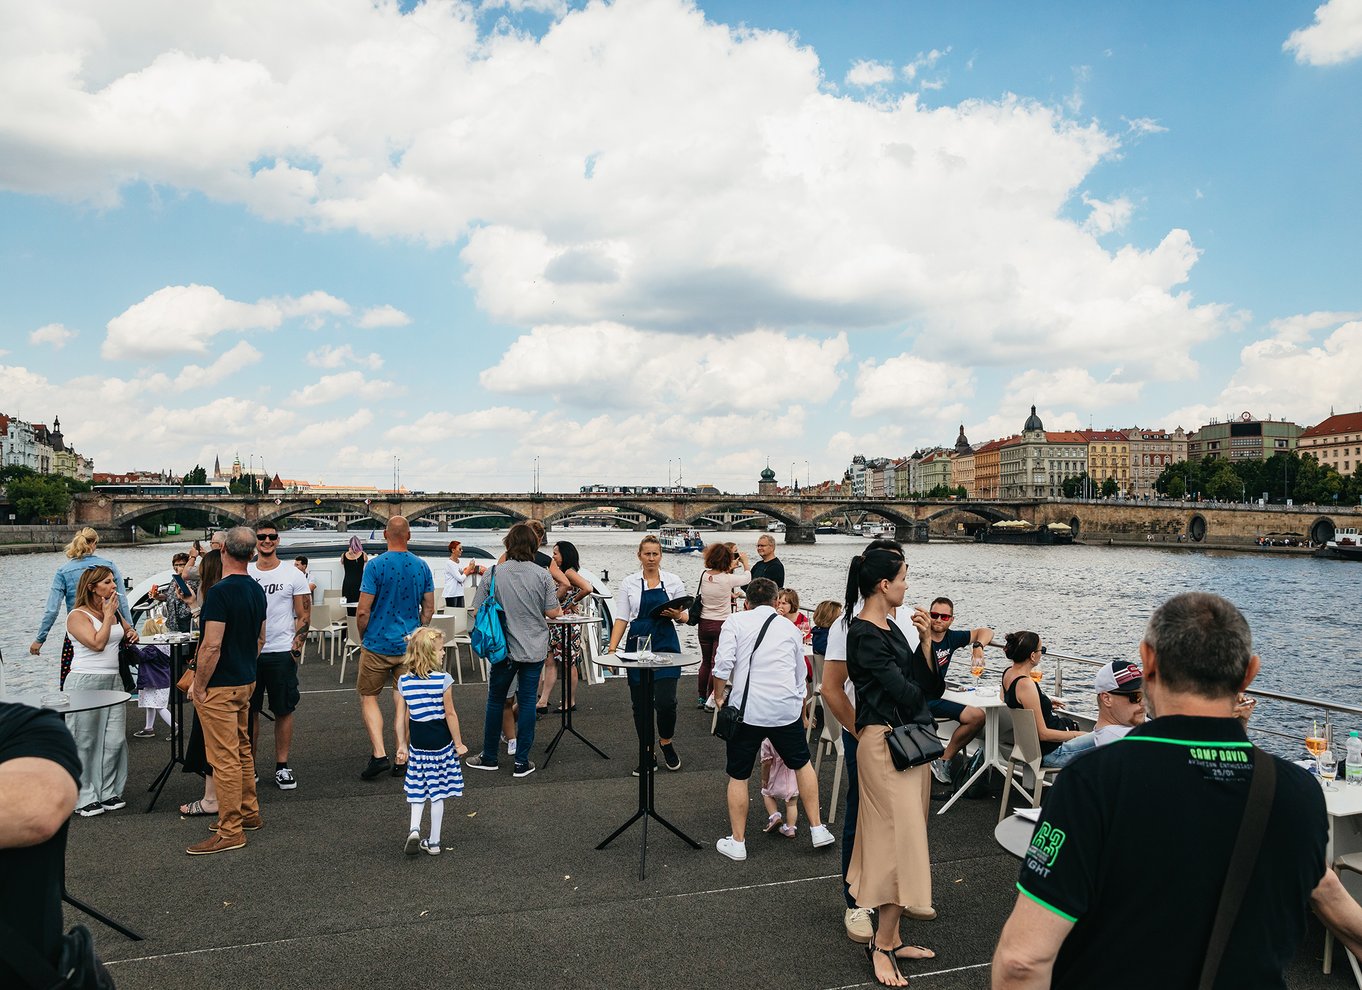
323, 896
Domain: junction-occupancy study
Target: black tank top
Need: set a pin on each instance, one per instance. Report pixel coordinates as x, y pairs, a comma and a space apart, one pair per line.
1047, 711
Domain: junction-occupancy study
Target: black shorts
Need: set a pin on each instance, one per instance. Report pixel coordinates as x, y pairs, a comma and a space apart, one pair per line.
276, 675
789, 741
941, 708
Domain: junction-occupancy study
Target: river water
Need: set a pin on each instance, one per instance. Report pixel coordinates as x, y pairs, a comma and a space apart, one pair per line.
1083, 600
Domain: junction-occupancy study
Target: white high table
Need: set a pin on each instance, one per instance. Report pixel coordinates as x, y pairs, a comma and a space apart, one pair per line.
995, 709
1344, 805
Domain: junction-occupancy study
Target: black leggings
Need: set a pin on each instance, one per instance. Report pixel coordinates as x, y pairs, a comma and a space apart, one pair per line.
664, 703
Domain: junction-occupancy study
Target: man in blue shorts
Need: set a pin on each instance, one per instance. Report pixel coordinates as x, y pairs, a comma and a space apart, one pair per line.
942, 646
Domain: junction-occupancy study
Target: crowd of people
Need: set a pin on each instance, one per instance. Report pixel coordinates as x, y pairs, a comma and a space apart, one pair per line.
880, 670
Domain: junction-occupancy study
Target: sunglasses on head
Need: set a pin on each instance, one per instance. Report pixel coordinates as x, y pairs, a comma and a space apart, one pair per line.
262, 537
941, 616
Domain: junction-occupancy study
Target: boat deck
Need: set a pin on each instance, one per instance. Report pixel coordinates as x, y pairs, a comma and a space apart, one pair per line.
323, 896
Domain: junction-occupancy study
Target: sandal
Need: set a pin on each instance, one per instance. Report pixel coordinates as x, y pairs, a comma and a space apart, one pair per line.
922, 950
773, 823
870, 951
195, 809
789, 831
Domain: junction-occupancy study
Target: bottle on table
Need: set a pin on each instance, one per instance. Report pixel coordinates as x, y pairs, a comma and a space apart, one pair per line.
1353, 774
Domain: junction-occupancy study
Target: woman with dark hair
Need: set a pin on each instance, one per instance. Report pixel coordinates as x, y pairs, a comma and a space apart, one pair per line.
716, 605
636, 598
890, 868
455, 571
578, 589
1058, 742
195, 756
529, 599
352, 563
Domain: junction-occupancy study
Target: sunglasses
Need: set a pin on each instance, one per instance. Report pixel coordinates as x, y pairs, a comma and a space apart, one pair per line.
941, 616
262, 537
1134, 697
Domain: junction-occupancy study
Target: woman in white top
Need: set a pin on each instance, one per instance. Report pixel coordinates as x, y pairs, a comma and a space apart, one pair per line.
716, 600
636, 599
455, 571
100, 735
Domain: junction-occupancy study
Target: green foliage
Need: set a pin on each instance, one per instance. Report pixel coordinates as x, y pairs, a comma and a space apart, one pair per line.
15, 471
39, 496
247, 484
197, 476
946, 491
1077, 487
1288, 475
1109, 488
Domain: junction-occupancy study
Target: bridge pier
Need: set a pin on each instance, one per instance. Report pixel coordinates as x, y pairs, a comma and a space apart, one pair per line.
641, 526
442, 526
342, 526
800, 534
916, 532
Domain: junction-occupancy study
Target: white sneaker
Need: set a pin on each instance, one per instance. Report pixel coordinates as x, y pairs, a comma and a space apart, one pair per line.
858, 925
709, 703
510, 747
941, 772
821, 836
413, 843
732, 848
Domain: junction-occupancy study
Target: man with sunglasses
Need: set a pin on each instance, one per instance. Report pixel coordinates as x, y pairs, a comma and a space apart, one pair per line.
288, 602
1120, 700
944, 642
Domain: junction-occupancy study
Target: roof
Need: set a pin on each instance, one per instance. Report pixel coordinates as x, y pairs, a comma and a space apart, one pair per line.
993, 445
1342, 423
1104, 436
1068, 436
1033, 422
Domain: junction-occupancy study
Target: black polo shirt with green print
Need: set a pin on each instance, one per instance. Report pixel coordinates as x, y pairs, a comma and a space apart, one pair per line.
1134, 845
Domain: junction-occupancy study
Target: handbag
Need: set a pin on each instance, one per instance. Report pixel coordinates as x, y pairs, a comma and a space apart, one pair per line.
78, 967
728, 719
693, 616
912, 745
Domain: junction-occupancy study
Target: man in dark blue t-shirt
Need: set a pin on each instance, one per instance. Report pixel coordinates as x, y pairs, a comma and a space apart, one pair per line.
942, 646
233, 621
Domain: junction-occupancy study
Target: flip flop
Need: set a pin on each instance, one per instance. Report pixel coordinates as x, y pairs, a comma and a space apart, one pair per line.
925, 952
195, 809
870, 951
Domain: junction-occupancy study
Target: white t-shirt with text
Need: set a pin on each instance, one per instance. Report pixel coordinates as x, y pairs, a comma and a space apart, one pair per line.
280, 584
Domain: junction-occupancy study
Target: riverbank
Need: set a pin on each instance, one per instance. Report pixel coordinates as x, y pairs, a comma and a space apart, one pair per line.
1162, 544
50, 546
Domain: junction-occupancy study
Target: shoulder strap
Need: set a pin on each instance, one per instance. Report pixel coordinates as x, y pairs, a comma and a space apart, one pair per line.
1251, 829
752, 659
27, 962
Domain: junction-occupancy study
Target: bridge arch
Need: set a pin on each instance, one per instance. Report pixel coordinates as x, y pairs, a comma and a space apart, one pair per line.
1322, 530
988, 513
606, 503
755, 505
486, 507
272, 513
131, 516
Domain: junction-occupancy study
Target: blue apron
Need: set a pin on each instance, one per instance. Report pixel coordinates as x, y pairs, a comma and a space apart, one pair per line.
663, 631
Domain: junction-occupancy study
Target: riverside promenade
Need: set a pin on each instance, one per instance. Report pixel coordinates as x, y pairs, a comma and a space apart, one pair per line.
323, 896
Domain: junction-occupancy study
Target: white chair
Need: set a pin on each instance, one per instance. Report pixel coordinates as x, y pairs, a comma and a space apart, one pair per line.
1351, 862
320, 626
444, 624
1026, 755
352, 643
463, 622
331, 594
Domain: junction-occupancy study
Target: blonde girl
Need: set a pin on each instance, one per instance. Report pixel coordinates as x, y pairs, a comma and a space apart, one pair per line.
81, 556
434, 772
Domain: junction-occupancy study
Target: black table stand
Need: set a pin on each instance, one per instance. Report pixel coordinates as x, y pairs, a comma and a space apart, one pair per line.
176, 724
80, 905
564, 674
647, 767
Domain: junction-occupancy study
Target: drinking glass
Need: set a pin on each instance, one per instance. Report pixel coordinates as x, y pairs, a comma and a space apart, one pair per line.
1315, 744
55, 699
1036, 675
976, 671
1328, 769
645, 649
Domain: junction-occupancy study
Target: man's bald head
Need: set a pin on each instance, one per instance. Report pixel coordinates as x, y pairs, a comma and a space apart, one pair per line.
397, 532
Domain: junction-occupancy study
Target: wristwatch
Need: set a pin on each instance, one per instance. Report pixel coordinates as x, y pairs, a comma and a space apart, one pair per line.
976, 645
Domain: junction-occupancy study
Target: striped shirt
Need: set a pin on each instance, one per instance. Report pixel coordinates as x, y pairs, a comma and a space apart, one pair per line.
425, 696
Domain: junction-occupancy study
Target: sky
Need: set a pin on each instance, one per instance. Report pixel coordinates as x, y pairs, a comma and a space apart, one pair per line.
651, 240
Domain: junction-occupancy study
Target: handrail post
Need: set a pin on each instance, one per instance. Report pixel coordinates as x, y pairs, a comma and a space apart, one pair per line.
1059, 677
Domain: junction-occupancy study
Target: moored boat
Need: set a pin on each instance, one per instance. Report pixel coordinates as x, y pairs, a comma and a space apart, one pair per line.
681, 539
1346, 545
1018, 532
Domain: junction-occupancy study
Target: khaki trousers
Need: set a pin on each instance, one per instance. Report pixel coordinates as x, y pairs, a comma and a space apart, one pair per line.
227, 743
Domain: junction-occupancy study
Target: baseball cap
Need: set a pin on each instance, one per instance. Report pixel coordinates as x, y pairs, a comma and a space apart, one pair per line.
1119, 677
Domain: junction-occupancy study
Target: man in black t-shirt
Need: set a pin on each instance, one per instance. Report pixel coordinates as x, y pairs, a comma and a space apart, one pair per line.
944, 642
233, 618
1135, 841
769, 566
39, 776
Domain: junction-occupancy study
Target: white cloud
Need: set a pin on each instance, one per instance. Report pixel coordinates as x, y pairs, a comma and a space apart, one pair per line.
435, 427
183, 319
748, 197
346, 385
555, 8
192, 377
1334, 37
1106, 217
1143, 125
328, 356
1072, 387
923, 62
908, 385
54, 334
314, 308
1300, 328
864, 73
383, 316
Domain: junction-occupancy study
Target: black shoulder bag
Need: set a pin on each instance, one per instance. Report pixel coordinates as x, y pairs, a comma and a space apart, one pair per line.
913, 744
1251, 828
728, 720
77, 969
693, 616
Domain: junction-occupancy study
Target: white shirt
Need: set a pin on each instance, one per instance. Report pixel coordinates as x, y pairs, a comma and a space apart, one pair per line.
1110, 733
280, 584
629, 594
453, 587
775, 695
836, 648
87, 661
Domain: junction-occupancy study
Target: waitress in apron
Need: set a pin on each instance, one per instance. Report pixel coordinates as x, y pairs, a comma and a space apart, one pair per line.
635, 599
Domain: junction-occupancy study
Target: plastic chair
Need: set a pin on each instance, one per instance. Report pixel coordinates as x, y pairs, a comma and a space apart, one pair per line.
352, 643
446, 626
319, 625
1353, 863
1026, 755
331, 594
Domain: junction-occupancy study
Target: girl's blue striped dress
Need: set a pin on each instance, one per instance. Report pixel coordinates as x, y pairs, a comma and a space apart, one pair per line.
434, 771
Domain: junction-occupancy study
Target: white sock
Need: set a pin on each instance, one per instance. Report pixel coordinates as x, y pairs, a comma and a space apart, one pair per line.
164, 713
151, 719
416, 810
437, 818
510, 747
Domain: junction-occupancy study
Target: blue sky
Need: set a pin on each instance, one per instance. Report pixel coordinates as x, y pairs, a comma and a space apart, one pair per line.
621, 236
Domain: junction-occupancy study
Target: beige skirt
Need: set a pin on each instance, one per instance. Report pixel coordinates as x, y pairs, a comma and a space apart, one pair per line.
889, 862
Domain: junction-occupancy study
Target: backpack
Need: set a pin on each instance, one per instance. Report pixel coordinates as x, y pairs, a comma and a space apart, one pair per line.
488, 635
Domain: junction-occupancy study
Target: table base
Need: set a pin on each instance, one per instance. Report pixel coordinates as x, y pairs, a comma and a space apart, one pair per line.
564, 675
99, 916
176, 727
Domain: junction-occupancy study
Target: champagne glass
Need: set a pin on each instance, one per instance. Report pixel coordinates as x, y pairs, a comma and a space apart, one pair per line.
1314, 742
976, 671
1328, 769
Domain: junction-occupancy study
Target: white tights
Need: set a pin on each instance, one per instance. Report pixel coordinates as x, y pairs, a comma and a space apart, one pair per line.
151, 716
437, 818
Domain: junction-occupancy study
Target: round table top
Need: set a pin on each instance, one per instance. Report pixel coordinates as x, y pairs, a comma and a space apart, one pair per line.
1014, 834
659, 661
80, 701
167, 639
574, 620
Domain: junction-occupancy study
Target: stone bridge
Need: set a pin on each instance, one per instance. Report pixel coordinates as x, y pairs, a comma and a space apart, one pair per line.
911, 518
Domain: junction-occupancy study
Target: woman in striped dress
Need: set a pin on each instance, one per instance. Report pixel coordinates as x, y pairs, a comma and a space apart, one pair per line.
435, 744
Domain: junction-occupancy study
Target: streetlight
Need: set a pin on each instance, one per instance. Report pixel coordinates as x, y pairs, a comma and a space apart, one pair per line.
669, 472
808, 476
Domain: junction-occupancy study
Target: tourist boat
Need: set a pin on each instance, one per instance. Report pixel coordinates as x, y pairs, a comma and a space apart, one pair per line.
1021, 533
681, 539
1346, 545
878, 531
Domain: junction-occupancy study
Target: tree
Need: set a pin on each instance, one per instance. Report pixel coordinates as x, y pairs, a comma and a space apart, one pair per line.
1109, 488
39, 497
1079, 487
1223, 482
198, 476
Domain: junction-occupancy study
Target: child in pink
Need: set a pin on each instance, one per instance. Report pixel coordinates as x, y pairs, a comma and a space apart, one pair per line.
778, 784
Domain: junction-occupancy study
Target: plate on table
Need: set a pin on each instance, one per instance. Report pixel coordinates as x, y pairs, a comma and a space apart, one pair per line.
683, 602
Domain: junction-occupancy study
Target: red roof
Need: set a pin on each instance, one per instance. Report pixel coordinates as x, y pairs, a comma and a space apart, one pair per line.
1103, 436
1343, 423
1070, 437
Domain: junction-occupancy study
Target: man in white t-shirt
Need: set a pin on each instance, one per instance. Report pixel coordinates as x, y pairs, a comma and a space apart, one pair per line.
288, 603
1120, 700
768, 672
839, 700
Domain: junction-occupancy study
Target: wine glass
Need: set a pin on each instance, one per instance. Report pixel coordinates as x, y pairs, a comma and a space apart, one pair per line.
976, 671
1315, 743
1328, 769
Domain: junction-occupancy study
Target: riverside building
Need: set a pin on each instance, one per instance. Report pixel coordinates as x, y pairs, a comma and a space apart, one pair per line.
1335, 442
1244, 438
